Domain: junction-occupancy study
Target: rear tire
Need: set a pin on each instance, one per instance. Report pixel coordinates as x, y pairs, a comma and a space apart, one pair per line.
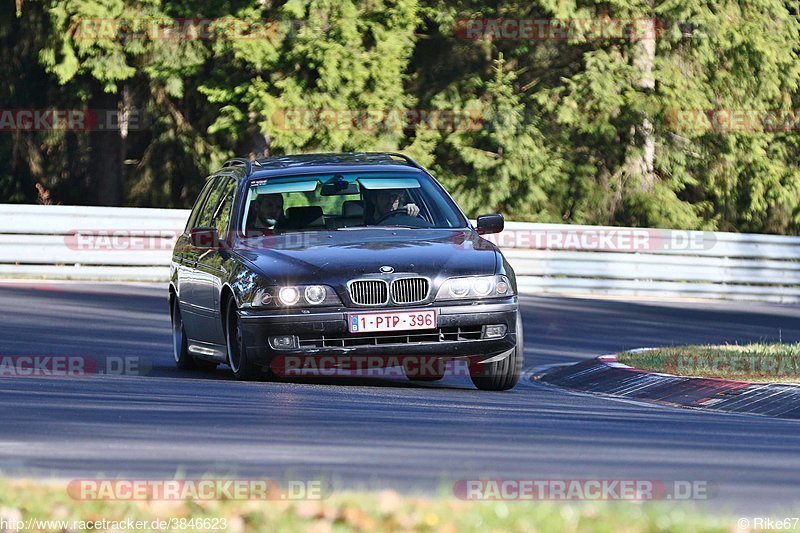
180, 343
504, 374
239, 358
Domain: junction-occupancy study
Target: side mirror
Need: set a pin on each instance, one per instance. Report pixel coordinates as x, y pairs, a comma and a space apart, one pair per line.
490, 224
204, 238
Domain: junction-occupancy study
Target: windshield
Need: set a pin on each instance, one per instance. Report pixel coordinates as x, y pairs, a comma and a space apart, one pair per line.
342, 200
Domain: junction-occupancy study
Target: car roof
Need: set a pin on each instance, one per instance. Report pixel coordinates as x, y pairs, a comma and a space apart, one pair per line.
348, 158
321, 163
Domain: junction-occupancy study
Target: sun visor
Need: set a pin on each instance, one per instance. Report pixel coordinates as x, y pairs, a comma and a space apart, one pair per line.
291, 186
375, 184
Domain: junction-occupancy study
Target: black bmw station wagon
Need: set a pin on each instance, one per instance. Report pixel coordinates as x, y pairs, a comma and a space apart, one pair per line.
341, 256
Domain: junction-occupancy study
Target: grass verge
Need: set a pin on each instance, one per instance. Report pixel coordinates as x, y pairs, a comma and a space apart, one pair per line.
21, 501
776, 363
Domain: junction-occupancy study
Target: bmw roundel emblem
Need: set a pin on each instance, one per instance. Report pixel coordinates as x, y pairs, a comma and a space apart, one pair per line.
387, 269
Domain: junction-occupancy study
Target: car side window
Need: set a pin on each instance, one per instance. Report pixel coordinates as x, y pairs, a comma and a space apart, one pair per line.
222, 213
199, 204
205, 218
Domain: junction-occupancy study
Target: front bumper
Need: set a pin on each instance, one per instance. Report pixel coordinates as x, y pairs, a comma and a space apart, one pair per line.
323, 332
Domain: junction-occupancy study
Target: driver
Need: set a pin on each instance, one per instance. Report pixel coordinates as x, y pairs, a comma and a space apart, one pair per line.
384, 201
268, 212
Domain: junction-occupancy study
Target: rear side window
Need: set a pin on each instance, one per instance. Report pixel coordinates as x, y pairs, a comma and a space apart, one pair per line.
222, 213
194, 216
205, 217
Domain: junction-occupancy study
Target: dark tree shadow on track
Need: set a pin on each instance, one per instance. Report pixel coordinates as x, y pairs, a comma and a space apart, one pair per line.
383, 433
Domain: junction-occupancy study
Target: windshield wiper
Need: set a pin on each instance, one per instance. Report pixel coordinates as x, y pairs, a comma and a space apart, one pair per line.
384, 226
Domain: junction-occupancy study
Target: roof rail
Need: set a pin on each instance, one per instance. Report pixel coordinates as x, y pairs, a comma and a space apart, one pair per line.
241, 161
298, 160
405, 158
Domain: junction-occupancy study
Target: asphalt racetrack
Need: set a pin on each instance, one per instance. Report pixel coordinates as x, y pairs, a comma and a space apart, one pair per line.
155, 421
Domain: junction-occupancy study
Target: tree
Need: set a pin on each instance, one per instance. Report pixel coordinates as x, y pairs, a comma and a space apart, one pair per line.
624, 127
336, 69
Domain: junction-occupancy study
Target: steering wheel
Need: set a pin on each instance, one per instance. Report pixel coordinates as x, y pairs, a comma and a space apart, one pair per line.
394, 213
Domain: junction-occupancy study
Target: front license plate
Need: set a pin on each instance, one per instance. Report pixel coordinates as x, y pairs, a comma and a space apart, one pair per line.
392, 321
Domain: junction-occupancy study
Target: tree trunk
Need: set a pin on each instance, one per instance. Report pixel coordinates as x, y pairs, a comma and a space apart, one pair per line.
641, 159
107, 148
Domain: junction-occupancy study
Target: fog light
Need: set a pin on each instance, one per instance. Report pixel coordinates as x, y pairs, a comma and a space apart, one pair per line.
289, 295
494, 331
283, 342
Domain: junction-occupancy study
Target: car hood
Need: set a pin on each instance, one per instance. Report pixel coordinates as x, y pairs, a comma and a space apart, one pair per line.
334, 257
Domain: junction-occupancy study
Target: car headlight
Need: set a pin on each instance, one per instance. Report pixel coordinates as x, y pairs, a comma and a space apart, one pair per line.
289, 295
295, 296
475, 287
315, 294
458, 288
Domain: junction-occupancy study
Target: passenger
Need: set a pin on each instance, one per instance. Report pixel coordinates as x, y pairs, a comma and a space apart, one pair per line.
267, 212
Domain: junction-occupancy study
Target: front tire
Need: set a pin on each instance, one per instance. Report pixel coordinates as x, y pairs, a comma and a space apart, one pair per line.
180, 343
180, 349
239, 358
503, 374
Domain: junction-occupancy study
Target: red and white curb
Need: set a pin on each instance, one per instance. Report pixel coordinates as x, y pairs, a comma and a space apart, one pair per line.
606, 376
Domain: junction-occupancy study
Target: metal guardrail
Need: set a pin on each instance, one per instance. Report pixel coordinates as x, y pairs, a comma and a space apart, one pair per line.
110, 243
100, 243
651, 262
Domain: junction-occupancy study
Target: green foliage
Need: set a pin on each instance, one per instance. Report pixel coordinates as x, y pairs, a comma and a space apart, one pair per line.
375, 511
562, 130
332, 56
772, 363
504, 166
